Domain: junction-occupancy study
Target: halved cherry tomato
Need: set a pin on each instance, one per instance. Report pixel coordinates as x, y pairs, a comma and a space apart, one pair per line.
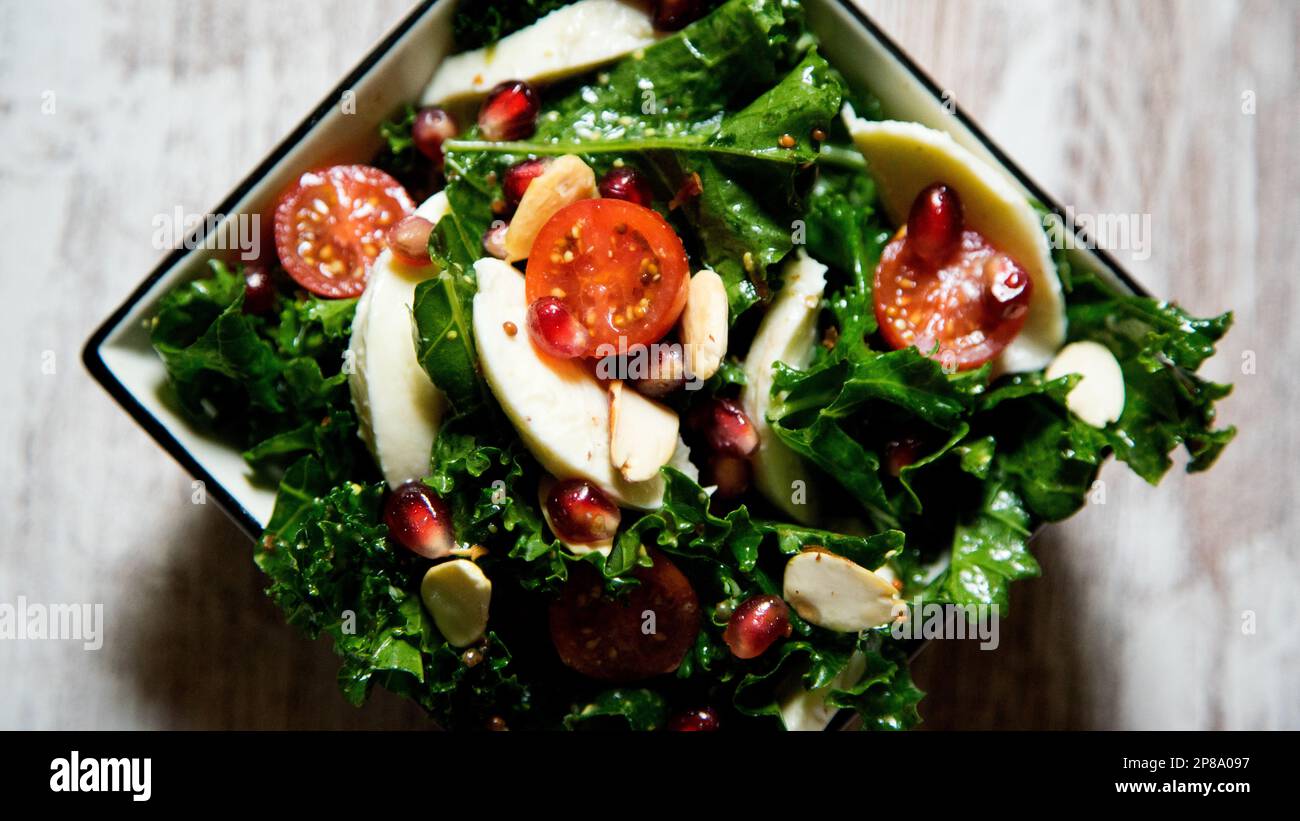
617, 266
331, 224
971, 306
643, 634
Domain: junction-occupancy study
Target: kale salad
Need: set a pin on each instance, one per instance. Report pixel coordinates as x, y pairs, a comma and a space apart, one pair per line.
651, 372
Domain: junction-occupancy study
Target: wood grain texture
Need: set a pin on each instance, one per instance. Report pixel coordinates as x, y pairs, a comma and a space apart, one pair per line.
1117, 107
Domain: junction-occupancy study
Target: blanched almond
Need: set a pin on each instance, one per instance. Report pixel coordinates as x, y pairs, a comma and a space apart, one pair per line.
832, 592
704, 324
1098, 398
642, 434
565, 181
457, 593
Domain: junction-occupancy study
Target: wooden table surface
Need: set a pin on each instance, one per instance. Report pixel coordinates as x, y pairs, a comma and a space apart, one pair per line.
112, 112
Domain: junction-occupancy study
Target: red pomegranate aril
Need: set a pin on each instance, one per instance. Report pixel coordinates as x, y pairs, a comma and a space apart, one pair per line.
935, 223
409, 240
419, 520
494, 239
728, 429
664, 367
672, 15
509, 112
431, 128
730, 474
1006, 287
581, 513
901, 452
259, 291
555, 329
757, 624
518, 177
626, 184
700, 720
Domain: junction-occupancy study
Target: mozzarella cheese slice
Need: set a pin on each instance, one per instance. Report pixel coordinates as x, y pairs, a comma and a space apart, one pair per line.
560, 410
568, 41
905, 157
398, 406
786, 334
1098, 398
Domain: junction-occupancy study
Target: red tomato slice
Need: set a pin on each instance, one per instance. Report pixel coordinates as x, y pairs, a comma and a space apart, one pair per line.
617, 266
970, 307
608, 639
331, 224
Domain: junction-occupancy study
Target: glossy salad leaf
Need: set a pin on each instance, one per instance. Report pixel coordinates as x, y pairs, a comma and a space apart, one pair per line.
641, 710
272, 384
845, 232
444, 337
1159, 347
990, 549
680, 85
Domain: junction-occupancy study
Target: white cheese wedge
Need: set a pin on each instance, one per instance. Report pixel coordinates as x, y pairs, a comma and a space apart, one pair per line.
560, 410
787, 334
568, 41
833, 592
905, 157
398, 406
806, 710
1098, 398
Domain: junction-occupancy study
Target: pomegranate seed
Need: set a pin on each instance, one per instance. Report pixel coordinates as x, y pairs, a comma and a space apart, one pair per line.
701, 720
518, 177
555, 329
661, 371
509, 112
730, 474
1006, 287
581, 513
934, 224
494, 239
672, 15
409, 240
259, 291
756, 625
626, 184
431, 127
419, 520
900, 453
727, 428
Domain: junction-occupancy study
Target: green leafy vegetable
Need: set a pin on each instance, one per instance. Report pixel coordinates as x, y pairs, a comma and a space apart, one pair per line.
273, 385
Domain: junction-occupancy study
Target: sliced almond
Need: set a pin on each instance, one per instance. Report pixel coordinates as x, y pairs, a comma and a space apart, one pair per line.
565, 181
457, 593
579, 548
704, 324
642, 434
832, 592
1098, 398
